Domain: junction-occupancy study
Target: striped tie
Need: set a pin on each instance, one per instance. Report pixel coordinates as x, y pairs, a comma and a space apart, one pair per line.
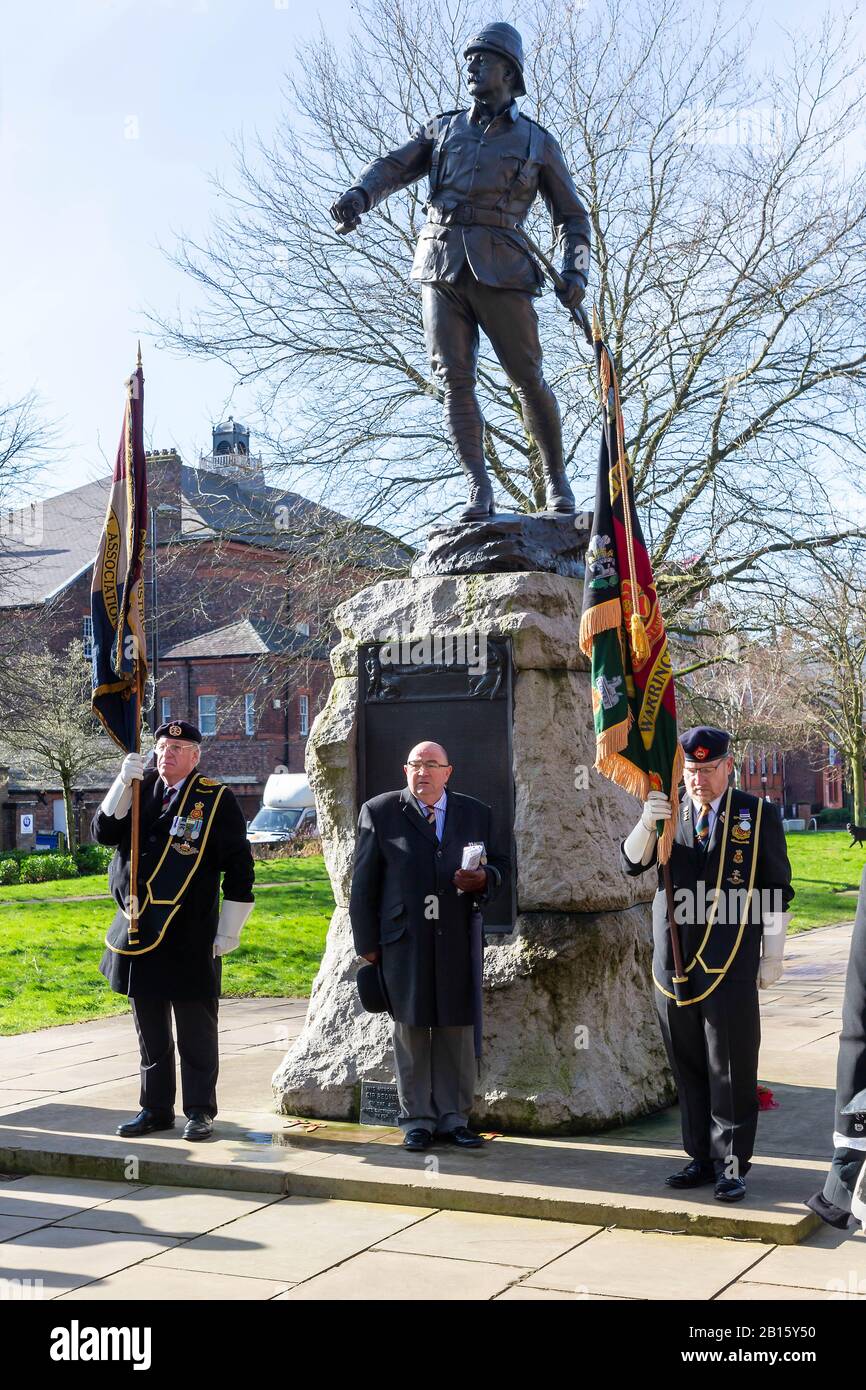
431, 817
167, 799
702, 826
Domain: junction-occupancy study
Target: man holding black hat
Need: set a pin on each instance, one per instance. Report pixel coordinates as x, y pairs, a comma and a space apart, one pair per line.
732, 885
410, 907
486, 166
166, 956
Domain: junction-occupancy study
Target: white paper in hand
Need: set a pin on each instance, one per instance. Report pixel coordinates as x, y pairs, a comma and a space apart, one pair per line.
473, 856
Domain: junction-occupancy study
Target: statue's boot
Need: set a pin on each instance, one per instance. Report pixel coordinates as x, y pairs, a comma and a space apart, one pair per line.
558, 496
541, 413
479, 503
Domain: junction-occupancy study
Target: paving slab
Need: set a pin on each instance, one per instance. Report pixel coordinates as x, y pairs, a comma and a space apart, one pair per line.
520, 1293
780, 1293
505, 1240
12, 1226
828, 1260
56, 1198
649, 1265
171, 1211
406, 1278
56, 1260
291, 1240
143, 1281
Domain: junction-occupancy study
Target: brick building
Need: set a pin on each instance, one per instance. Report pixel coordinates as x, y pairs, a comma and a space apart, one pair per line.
801, 781
238, 602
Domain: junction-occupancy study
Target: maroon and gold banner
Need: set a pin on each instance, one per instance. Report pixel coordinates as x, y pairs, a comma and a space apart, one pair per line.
622, 630
117, 589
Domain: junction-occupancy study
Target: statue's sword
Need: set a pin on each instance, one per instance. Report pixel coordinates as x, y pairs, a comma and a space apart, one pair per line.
579, 315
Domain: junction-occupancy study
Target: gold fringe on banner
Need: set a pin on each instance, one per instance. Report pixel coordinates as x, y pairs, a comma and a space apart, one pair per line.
618, 769
599, 619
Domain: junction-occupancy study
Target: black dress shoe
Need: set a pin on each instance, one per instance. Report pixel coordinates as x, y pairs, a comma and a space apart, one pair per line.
699, 1173
198, 1126
730, 1190
829, 1212
145, 1122
417, 1140
463, 1137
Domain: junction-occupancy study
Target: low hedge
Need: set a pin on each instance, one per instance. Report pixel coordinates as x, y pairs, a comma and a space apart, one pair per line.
25, 866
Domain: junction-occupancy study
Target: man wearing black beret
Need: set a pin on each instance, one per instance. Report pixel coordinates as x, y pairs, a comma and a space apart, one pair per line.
732, 885
166, 957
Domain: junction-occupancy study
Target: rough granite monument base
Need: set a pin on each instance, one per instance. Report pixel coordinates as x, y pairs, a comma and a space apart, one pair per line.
571, 1043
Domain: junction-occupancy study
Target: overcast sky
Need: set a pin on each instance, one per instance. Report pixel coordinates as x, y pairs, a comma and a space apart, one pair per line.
113, 113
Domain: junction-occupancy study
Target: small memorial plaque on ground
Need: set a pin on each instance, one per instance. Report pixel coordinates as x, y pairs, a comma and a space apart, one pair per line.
379, 1103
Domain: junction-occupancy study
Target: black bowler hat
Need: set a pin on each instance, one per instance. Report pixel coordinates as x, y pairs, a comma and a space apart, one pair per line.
178, 729
703, 744
371, 989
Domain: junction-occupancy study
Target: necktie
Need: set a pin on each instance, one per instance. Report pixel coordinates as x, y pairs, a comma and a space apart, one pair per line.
167, 798
702, 826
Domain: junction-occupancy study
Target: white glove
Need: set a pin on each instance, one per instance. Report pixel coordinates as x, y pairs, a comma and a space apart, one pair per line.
118, 798
132, 769
773, 948
656, 807
640, 844
228, 932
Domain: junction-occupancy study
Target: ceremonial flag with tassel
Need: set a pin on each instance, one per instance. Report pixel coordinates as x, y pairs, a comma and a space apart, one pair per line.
621, 629
119, 661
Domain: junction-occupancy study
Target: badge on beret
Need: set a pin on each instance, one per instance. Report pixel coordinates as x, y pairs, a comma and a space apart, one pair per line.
174, 730
701, 752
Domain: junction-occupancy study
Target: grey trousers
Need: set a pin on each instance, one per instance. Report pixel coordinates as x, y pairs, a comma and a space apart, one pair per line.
435, 1076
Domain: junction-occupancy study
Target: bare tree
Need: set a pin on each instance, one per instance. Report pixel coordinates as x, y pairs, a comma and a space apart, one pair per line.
729, 269
826, 627
47, 726
755, 689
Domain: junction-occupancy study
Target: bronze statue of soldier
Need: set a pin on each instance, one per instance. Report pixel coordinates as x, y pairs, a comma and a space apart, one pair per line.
486, 166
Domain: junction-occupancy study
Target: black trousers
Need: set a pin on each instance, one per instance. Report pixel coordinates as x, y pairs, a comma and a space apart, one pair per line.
713, 1051
197, 1043
452, 316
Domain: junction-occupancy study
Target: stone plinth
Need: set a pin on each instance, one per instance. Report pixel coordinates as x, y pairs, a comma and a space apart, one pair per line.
571, 1041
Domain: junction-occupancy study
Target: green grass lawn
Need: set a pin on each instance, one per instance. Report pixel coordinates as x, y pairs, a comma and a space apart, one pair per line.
49, 952
822, 865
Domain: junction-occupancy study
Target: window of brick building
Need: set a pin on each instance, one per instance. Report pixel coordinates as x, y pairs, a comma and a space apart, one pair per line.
751, 763
207, 714
303, 628
775, 761
165, 709
303, 715
250, 713
87, 637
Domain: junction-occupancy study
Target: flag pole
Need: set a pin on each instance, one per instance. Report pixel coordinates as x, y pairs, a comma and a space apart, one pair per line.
134, 830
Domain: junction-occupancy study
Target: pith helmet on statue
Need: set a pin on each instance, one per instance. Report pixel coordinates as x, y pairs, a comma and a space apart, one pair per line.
502, 39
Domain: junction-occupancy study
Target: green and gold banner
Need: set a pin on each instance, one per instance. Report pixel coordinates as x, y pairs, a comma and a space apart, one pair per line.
622, 630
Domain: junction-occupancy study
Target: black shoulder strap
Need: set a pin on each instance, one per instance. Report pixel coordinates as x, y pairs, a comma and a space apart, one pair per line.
444, 125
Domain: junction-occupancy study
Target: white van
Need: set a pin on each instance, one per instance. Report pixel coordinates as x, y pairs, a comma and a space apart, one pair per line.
288, 807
